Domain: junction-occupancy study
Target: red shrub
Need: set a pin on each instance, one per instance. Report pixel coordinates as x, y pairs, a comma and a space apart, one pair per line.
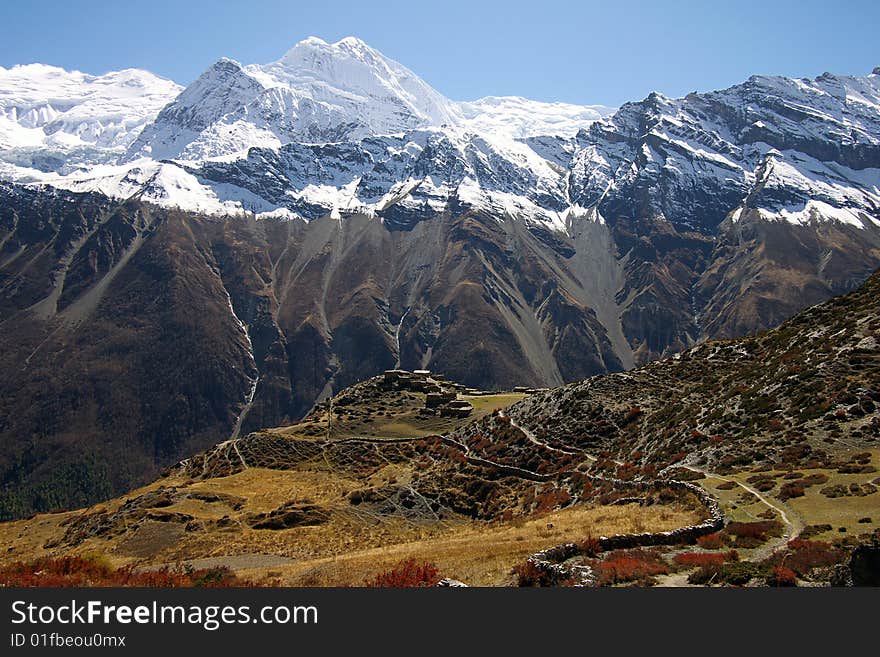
629, 566
747, 529
80, 571
456, 456
591, 546
752, 534
627, 471
791, 489
782, 576
632, 414
804, 555
814, 479
714, 541
409, 573
551, 498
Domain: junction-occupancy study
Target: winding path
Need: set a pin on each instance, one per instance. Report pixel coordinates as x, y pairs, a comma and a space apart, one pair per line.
528, 434
792, 521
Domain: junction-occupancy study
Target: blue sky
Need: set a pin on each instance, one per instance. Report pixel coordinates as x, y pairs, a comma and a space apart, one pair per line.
582, 52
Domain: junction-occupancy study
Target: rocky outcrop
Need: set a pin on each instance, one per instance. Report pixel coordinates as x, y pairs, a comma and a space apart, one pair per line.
864, 566
287, 516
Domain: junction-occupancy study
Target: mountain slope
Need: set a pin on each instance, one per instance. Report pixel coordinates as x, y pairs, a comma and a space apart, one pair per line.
109, 372
800, 393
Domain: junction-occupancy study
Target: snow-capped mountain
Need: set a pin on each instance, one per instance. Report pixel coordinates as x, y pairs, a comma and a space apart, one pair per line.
316, 96
319, 93
55, 120
340, 127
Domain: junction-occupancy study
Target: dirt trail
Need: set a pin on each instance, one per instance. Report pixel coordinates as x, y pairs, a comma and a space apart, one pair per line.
528, 434
794, 524
675, 580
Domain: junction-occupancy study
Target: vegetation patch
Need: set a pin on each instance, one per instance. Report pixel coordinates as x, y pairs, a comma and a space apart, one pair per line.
700, 559
629, 566
714, 541
782, 576
803, 556
407, 574
737, 573
752, 534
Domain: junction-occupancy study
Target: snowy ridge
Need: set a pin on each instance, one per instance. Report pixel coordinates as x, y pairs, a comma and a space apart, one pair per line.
52, 118
520, 118
797, 150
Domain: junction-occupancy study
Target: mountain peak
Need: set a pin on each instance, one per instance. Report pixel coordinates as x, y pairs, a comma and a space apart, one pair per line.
352, 42
225, 62
351, 71
312, 40
313, 48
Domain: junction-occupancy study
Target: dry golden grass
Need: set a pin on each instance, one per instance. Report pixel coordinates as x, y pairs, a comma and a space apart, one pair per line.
817, 509
482, 555
485, 404
351, 546
737, 503
25, 539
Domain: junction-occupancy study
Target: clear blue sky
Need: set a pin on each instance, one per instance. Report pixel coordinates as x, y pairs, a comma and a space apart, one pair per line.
582, 52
